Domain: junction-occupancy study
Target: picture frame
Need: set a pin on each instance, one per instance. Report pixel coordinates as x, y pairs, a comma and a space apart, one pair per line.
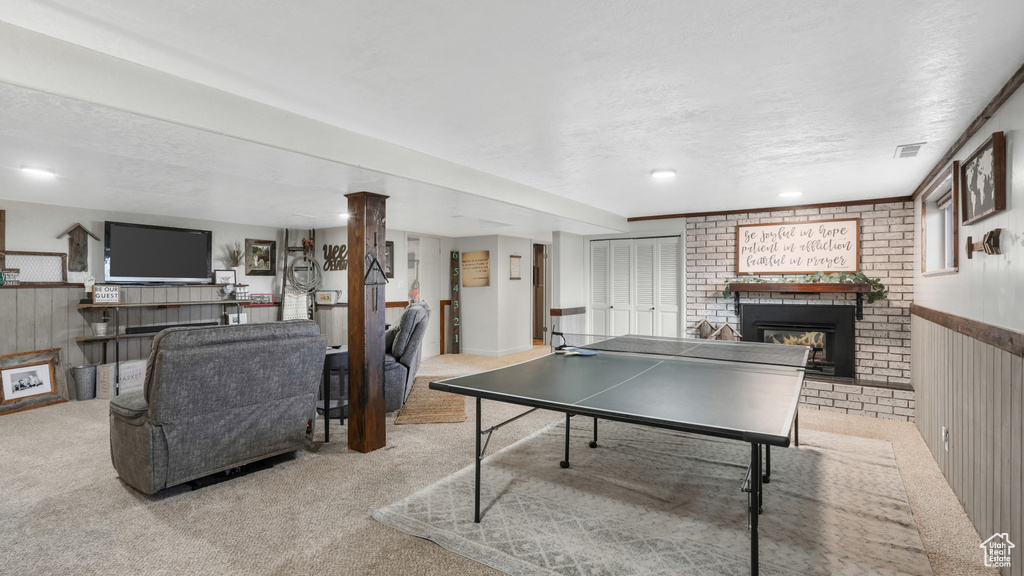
983, 180
106, 294
260, 257
389, 259
515, 267
224, 277
261, 299
31, 380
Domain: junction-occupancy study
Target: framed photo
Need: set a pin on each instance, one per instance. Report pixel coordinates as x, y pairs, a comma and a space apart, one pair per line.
261, 299
389, 259
30, 380
515, 267
260, 257
223, 276
983, 180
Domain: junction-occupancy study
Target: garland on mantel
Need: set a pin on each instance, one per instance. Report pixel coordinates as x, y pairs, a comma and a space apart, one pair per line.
878, 290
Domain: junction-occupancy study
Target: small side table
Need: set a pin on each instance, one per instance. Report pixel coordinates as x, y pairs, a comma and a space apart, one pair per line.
336, 360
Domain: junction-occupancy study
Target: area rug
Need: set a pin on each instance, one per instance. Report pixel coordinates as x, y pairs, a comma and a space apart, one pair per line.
656, 502
426, 406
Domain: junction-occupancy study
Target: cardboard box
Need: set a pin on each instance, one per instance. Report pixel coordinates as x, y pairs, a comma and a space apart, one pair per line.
133, 374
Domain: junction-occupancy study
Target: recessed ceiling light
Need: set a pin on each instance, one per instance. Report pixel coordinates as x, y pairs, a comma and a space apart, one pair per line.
791, 194
663, 173
43, 172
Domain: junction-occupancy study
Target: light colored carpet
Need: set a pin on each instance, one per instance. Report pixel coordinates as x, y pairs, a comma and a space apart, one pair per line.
650, 502
64, 511
426, 406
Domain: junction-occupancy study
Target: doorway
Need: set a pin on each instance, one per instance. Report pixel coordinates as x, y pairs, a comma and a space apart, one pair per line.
426, 285
540, 274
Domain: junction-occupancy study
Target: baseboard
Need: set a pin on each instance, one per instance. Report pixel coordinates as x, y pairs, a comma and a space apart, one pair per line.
498, 353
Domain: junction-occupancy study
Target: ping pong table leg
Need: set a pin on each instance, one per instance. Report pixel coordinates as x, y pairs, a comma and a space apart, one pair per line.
754, 500
565, 463
476, 502
767, 464
593, 443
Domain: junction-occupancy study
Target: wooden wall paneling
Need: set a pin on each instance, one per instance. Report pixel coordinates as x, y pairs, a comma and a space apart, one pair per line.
173, 315
26, 330
956, 399
1016, 473
133, 346
159, 315
8, 320
59, 328
1005, 439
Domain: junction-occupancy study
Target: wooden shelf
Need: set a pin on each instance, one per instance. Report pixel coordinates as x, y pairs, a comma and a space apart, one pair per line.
111, 337
163, 304
800, 287
860, 289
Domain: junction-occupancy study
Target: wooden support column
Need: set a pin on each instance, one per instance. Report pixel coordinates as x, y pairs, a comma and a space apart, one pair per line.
366, 304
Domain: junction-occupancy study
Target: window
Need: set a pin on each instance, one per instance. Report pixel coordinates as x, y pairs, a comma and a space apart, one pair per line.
939, 224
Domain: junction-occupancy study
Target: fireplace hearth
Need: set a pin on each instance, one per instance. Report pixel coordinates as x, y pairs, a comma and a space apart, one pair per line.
828, 330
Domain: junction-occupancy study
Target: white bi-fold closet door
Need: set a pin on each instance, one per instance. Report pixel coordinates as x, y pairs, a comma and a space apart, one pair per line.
634, 286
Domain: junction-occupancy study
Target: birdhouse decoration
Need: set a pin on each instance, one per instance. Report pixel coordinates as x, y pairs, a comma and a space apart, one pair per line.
78, 247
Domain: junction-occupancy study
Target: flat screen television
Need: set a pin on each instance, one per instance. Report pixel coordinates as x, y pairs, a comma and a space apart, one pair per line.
143, 253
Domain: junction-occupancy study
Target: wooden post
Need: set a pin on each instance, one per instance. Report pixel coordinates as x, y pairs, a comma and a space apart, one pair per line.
366, 229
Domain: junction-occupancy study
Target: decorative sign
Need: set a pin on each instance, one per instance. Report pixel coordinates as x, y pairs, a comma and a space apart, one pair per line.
983, 180
326, 297
456, 324
335, 257
261, 299
476, 269
515, 267
106, 294
798, 247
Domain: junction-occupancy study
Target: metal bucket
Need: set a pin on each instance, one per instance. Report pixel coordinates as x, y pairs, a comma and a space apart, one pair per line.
85, 382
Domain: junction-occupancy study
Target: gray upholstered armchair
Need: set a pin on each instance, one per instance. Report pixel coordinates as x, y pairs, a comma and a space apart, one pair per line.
402, 354
216, 398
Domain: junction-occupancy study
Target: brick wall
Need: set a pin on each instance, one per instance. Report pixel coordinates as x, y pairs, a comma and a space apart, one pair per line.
887, 252
858, 399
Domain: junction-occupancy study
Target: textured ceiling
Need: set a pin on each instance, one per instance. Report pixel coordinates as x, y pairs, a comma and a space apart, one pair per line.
575, 99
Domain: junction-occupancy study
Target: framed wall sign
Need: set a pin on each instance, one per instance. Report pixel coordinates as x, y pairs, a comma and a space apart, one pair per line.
983, 180
106, 294
515, 267
260, 257
223, 276
476, 269
389, 259
798, 247
261, 299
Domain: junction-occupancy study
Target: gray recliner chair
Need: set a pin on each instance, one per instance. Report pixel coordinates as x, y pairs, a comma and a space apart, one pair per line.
402, 344
216, 398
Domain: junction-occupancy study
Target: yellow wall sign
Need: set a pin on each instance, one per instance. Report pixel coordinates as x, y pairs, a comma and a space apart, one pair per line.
476, 269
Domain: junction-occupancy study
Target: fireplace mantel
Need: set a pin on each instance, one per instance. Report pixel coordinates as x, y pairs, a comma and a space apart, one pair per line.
802, 287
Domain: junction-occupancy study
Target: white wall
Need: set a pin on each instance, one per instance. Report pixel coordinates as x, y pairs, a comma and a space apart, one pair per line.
496, 319
34, 228
568, 266
987, 287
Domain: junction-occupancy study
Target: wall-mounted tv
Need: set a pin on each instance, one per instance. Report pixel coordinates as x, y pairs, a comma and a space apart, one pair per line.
143, 253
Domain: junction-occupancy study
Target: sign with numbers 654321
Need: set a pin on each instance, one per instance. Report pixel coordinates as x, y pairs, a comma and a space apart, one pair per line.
456, 325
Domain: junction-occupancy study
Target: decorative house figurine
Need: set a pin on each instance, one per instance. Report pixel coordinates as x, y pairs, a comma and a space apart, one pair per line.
78, 247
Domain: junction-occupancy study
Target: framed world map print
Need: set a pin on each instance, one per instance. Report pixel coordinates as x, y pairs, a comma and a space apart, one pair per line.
983, 180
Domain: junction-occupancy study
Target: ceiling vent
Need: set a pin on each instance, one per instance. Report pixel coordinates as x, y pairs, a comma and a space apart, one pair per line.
908, 150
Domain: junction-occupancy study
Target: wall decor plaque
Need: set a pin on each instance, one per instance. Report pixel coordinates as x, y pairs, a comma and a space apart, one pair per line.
983, 180
106, 294
798, 247
476, 269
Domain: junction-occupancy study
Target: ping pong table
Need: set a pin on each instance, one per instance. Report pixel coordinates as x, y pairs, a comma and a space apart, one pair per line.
744, 391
